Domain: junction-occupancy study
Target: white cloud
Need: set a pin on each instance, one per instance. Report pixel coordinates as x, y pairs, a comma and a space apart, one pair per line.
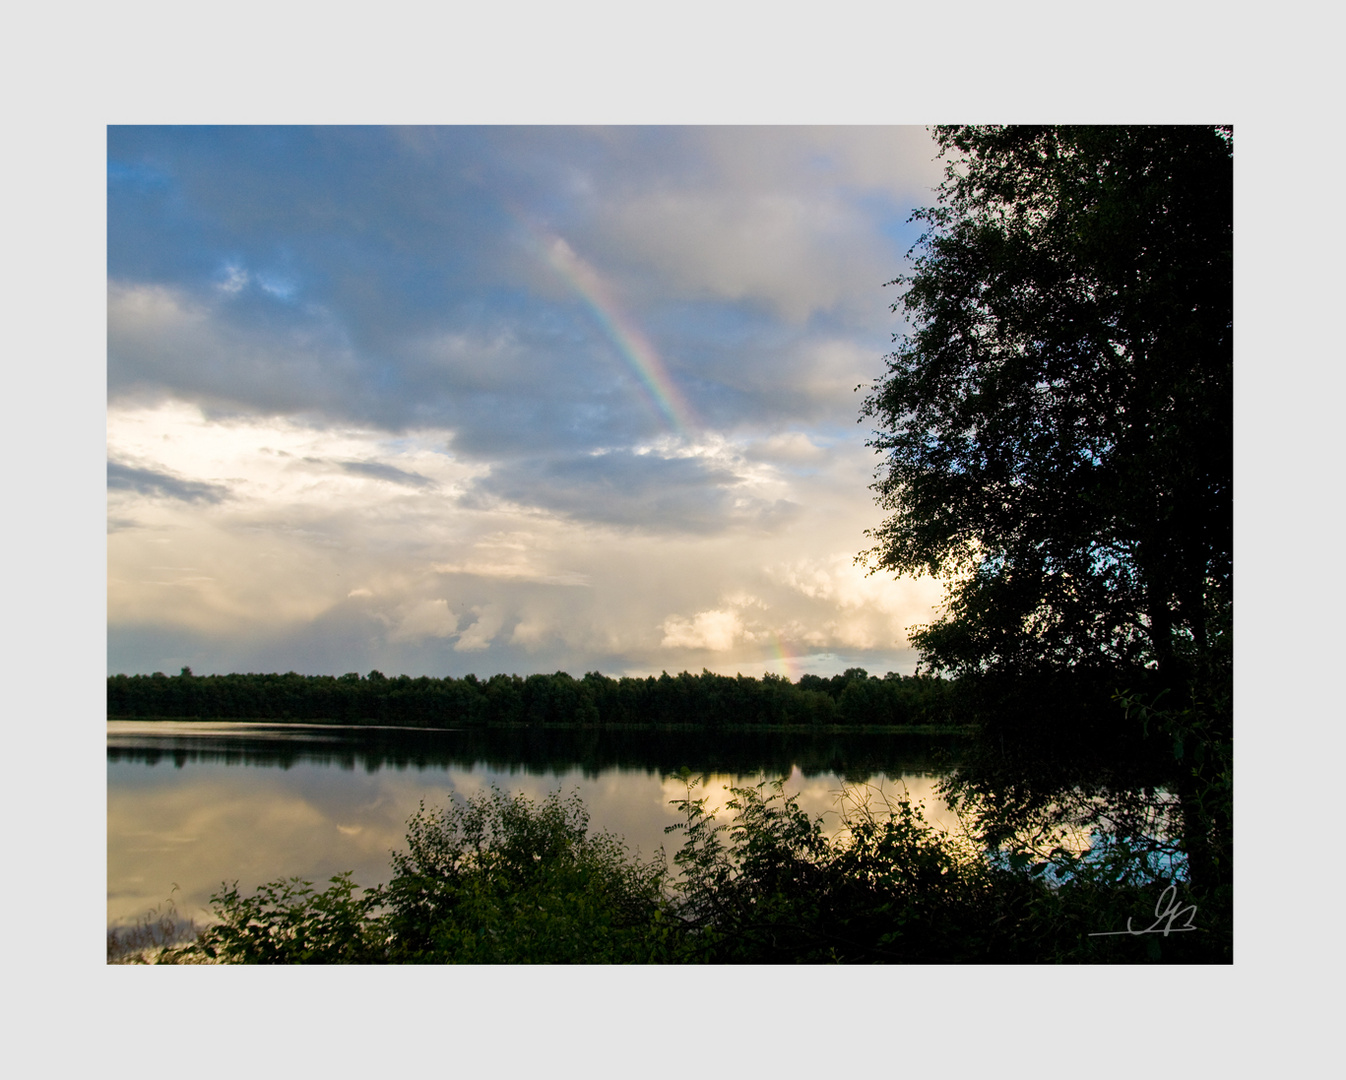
790, 448
490, 618
717, 630
519, 555
276, 459
866, 612
235, 279
426, 618
532, 632
518, 571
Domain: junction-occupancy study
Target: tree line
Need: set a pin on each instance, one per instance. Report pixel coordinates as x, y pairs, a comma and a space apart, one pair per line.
707, 700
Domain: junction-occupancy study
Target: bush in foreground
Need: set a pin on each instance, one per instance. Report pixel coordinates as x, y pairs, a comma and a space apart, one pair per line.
500, 879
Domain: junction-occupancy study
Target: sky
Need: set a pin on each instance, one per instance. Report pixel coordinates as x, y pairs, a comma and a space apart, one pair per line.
502, 399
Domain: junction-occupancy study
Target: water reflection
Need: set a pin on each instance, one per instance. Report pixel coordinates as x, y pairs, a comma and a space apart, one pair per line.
195, 804
538, 751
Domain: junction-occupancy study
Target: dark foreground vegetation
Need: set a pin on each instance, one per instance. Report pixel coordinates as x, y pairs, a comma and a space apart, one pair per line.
498, 879
705, 700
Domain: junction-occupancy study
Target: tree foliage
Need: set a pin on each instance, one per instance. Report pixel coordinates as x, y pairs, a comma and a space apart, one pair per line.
1057, 425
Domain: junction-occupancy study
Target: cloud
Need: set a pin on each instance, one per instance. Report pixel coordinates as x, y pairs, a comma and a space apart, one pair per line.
683, 494
422, 619
495, 390
163, 338
513, 571
862, 612
792, 448
717, 630
162, 485
799, 220
478, 636
781, 249
391, 473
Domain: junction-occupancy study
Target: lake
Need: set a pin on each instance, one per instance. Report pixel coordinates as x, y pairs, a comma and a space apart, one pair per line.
193, 804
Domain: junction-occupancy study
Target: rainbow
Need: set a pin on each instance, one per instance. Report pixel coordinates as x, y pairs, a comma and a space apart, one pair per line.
784, 657
633, 346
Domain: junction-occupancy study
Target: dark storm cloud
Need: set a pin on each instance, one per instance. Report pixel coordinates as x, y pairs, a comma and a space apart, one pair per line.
386, 472
642, 491
162, 485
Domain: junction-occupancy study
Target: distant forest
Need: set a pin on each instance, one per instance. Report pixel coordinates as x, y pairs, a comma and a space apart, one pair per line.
709, 700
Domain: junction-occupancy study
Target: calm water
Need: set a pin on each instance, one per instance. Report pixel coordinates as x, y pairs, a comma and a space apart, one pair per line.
195, 804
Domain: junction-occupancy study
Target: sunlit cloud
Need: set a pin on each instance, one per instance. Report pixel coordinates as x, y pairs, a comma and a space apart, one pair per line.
424, 618
716, 630
490, 618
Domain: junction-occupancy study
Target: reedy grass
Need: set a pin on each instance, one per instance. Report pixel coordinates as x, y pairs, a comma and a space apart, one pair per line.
157, 937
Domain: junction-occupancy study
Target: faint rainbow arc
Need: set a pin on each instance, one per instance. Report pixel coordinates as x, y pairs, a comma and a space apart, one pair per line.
633, 346
785, 657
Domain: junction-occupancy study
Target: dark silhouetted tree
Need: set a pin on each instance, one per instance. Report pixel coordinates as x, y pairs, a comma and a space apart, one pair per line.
1057, 425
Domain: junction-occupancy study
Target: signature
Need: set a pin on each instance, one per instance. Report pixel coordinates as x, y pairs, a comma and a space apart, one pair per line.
1165, 911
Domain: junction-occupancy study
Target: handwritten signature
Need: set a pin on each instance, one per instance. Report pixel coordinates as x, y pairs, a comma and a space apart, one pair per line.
1165, 911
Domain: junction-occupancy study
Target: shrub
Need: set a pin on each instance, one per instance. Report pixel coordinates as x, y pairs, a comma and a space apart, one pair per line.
497, 879
500, 879
286, 922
